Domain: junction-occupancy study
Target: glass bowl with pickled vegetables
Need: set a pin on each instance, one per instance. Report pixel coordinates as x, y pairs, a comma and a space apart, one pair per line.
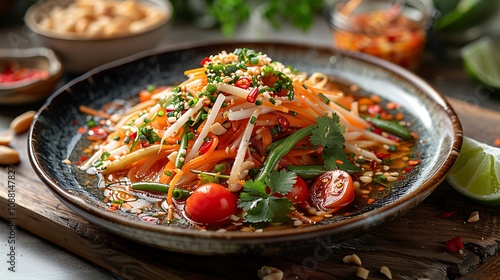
394, 30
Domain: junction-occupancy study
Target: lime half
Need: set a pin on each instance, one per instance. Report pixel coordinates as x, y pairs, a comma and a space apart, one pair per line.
466, 14
482, 61
476, 173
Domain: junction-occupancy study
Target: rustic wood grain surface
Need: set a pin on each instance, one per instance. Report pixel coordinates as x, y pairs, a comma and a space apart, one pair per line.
411, 246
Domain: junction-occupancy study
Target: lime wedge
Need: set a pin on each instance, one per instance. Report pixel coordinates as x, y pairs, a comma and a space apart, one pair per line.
466, 14
482, 61
476, 173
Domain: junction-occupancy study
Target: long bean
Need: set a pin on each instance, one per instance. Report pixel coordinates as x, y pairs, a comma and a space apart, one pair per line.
181, 155
280, 150
162, 188
307, 171
391, 127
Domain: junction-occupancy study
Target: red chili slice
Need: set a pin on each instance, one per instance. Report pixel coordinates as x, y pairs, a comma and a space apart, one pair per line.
383, 155
205, 60
454, 245
252, 96
205, 147
284, 122
243, 82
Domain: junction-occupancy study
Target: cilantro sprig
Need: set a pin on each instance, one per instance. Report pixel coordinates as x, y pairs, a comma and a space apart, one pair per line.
329, 135
259, 198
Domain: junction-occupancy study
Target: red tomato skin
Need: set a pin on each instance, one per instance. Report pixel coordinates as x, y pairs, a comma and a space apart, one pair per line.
299, 193
332, 191
210, 204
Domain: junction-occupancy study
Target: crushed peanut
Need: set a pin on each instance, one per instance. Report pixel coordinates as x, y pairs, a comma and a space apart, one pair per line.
269, 273
352, 259
362, 273
474, 217
386, 271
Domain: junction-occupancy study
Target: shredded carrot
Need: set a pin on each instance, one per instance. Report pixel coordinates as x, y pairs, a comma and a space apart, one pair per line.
376, 98
292, 160
216, 155
194, 71
267, 138
168, 172
365, 101
93, 112
497, 142
178, 175
281, 108
238, 127
316, 91
303, 111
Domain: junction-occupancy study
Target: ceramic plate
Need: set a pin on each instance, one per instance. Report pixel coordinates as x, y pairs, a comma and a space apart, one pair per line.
54, 137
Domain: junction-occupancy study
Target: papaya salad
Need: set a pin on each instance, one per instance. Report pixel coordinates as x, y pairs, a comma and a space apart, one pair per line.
246, 143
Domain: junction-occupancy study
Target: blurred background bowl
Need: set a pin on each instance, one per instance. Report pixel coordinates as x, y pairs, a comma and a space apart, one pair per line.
29, 90
82, 52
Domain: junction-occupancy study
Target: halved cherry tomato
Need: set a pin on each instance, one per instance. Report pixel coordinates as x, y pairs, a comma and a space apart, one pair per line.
332, 191
210, 203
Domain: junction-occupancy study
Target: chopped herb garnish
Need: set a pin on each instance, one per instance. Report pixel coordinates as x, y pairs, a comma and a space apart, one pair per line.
329, 135
261, 205
105, 156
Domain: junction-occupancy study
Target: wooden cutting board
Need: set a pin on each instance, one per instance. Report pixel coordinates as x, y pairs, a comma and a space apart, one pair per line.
411, 246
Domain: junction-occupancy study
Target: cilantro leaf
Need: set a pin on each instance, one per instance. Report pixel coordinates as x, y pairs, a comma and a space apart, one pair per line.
329, 134
259, 203
281, 181
270, 209
253, 192
150, 135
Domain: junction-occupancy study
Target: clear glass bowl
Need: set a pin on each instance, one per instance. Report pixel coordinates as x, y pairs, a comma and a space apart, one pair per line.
394, 30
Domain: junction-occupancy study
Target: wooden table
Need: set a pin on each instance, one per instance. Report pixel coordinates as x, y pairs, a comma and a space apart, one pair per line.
411, 246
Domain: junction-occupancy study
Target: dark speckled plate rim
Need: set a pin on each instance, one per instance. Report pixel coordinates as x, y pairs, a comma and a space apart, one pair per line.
358, 223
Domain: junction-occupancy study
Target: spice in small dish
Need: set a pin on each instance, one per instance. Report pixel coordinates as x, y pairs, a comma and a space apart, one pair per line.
11, 73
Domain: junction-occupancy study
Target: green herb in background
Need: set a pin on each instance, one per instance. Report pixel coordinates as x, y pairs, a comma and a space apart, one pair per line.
228, 14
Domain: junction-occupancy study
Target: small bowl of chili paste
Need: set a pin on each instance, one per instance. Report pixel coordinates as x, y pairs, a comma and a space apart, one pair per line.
28, 75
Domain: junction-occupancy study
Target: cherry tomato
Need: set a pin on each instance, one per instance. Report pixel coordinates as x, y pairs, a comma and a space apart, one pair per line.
299, 193
333, 190
210, 203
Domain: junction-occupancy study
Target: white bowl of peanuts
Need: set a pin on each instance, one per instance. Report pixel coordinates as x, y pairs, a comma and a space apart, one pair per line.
88, 33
